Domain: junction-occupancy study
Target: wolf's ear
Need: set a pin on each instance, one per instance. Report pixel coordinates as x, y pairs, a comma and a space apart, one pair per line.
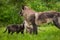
23, 7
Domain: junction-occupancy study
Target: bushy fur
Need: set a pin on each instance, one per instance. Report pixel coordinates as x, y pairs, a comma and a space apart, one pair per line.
37, 18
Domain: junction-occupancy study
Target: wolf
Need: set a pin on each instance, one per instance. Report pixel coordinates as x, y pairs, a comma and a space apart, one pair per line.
37, 18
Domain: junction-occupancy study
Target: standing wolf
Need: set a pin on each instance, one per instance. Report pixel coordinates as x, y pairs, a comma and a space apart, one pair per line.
37, 18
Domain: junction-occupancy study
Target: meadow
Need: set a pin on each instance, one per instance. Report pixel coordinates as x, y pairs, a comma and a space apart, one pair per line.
9, 14
49, 32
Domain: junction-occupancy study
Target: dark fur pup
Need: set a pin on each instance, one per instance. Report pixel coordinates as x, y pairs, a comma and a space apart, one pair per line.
15, 28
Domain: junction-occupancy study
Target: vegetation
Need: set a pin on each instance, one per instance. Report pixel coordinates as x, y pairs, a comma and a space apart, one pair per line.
9, 14
9, 9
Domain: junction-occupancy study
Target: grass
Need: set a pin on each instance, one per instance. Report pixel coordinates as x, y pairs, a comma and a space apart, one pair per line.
44, 33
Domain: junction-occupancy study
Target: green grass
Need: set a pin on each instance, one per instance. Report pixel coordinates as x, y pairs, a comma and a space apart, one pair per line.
44, 33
